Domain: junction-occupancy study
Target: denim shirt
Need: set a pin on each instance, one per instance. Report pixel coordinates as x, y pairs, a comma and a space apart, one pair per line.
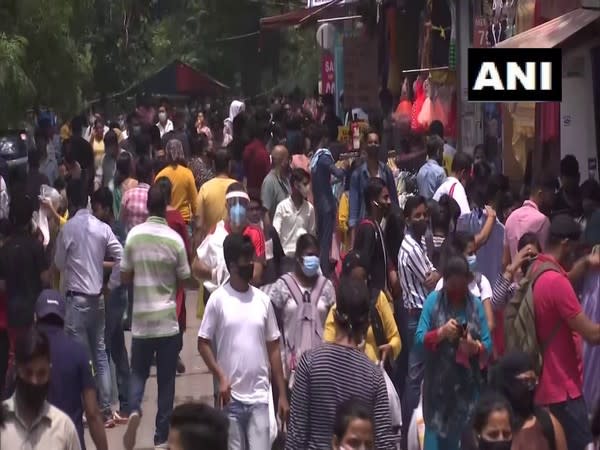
430, 177
321, 183
358, 182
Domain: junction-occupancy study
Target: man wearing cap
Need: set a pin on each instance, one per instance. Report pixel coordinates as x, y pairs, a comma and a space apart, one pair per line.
72, 388
560, 324
209, 264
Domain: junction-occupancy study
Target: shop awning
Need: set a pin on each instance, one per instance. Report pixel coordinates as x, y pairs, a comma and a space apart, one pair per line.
302, 16
554, 32
179, 79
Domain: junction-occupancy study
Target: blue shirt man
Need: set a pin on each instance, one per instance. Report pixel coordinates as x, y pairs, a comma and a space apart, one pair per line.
431, 175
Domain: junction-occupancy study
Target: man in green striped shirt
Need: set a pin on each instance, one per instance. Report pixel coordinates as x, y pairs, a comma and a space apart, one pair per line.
155, 260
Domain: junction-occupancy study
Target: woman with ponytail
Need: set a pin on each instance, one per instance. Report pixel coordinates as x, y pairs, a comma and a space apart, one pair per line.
334, 373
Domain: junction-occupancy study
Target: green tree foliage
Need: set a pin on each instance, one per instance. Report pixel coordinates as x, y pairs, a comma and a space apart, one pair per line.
59, 53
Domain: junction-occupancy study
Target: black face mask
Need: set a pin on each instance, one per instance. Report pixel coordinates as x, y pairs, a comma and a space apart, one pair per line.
246, 272
520, 394
494, 445
32, 395
419, 227
372, 150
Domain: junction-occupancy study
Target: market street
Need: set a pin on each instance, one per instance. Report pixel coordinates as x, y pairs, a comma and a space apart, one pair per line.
194, 385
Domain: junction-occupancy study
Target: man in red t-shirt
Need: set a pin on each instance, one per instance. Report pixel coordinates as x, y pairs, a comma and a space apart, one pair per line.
209, 264
560, 326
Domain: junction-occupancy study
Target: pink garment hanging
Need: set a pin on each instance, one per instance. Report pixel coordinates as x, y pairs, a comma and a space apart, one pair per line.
426, 114
404, 110
417, 105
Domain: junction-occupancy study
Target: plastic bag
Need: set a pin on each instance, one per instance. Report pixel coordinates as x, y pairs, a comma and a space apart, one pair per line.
51, 194
416, 430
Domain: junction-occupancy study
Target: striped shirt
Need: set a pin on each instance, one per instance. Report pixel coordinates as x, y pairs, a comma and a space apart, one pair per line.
413, 267
157, 257
326, 377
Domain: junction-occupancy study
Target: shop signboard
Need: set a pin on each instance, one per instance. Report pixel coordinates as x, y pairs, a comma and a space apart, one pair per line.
327, 73
480, 32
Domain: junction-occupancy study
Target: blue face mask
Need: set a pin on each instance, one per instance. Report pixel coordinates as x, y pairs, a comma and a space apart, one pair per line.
310, 265
472, 260
237, 215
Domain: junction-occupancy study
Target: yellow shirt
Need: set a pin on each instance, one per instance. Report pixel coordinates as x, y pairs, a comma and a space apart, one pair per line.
389, 327
343, 215
211, 201
98, 147
183, 195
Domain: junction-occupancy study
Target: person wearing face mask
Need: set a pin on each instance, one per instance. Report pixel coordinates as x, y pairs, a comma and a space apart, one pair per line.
336, 372
418, 278
294, 217
560, 325
492, 423
302, 298
568, 198
353, 428
371, 168
431, 175
369, 239
164, 124
257, 216
534, 428
209, 264
238, 340
455, 340
480, 287
29, 420
454, 185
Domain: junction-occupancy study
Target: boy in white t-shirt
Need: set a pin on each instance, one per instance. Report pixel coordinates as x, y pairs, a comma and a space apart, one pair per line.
454, 186
239, 322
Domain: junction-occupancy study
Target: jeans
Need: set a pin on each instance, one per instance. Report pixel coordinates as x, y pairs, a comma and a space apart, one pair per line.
325, 230
115, 343
414, 378
142, 353
85, 321
573, 416
248, 426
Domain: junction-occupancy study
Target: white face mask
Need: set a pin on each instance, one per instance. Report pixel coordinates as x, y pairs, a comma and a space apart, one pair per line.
162, 116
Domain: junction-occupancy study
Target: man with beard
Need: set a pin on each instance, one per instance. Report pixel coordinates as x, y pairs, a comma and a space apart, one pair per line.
30, 421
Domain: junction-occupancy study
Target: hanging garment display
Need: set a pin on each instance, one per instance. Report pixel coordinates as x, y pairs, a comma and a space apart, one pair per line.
426, 114
440, 103
417, 105
404, 109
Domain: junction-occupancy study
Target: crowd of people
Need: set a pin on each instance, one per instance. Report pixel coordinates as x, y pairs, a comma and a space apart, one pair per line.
370, 300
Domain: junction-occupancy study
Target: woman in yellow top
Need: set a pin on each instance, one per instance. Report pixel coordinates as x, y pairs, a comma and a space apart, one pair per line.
389, 344
184, 193
97, 141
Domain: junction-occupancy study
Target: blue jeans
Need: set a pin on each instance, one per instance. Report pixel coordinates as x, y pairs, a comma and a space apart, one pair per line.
248, 426
573, 416
142, 353
115, 343
414, 378
85, 321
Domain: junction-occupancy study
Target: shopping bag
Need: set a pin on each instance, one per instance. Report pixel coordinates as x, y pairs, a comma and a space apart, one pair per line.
416, 430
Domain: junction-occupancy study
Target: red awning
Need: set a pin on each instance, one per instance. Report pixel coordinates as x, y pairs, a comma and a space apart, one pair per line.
301, 17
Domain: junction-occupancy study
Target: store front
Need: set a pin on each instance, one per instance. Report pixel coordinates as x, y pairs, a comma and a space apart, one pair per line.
572, 124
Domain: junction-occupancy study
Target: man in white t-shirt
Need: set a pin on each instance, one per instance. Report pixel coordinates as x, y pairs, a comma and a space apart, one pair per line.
454, 186
239, 322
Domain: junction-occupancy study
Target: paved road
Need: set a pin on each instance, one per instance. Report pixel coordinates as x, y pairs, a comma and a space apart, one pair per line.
194, 385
